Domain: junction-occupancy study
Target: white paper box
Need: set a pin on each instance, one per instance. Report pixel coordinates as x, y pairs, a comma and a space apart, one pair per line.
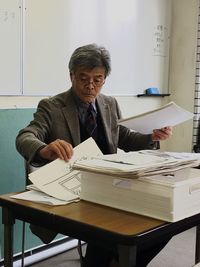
168, 198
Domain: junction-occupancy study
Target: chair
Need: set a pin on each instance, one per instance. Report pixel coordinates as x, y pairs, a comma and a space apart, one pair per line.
196, 148
28, 169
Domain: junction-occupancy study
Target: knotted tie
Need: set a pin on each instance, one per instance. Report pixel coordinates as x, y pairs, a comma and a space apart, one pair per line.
91, 123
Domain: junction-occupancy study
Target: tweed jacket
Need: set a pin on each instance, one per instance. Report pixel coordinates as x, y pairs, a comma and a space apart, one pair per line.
57, 118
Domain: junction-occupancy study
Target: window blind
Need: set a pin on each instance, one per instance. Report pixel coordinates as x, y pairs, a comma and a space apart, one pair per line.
196, 124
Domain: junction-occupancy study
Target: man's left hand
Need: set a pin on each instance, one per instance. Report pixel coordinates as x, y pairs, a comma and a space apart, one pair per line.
162, 134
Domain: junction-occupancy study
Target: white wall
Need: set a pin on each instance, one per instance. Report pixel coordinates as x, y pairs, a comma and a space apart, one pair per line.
182, 67
181, 74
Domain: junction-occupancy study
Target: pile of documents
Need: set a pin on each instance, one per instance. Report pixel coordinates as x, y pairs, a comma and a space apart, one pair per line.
166, 197
148, 182
138, 164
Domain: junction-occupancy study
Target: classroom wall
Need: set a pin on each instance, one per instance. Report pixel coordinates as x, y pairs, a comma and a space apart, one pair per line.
53, 25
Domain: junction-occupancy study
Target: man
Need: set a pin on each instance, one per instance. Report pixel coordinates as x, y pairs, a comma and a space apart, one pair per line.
65, 120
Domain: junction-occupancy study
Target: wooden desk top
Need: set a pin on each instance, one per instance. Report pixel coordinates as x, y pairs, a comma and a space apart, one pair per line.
82, 215
88, 221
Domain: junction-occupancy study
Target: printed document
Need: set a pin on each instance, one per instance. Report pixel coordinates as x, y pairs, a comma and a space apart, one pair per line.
40, 197
57, 179
168, 115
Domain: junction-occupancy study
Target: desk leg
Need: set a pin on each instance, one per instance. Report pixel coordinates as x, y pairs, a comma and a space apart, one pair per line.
8, 222
197, 254
127, 256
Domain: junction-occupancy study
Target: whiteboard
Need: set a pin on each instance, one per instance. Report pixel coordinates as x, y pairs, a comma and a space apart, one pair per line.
10, 47
136, 32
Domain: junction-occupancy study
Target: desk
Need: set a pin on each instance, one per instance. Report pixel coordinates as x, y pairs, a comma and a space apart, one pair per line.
92, 223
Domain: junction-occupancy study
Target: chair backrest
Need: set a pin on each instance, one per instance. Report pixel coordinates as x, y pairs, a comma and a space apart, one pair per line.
196, 148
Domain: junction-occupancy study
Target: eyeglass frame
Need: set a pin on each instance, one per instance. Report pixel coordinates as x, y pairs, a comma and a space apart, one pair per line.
87, 81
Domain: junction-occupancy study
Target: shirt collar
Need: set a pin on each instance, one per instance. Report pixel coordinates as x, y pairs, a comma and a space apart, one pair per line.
82, 105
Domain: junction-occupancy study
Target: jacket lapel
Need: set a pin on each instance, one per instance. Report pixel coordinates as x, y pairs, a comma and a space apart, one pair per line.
71, 115
105, 114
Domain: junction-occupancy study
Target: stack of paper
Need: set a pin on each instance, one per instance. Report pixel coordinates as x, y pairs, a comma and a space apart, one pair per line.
166, 187
137, 164
166, 197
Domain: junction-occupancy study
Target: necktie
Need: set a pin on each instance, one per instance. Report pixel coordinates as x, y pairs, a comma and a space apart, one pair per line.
91, 123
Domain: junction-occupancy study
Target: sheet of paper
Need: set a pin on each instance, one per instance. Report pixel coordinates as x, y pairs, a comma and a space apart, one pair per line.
40, 197
132, 158
57, 178
136, 164
169, 154
168, 115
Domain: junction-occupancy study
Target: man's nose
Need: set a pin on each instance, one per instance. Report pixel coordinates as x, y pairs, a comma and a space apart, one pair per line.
90, 84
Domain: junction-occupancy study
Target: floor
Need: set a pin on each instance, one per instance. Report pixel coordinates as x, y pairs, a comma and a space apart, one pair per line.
179, 252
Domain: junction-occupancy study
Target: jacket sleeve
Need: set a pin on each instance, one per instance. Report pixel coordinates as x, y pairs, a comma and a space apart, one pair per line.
33, 137
132, 141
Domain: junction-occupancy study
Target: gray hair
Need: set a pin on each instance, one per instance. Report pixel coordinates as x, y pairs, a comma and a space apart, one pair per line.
90, 56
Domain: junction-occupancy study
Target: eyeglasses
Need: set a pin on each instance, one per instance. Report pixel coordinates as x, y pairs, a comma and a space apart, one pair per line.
97, 81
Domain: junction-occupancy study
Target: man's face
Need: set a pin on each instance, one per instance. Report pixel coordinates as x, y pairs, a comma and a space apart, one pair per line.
87, 83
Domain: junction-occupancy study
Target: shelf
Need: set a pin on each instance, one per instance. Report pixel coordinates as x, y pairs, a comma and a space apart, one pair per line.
153, 95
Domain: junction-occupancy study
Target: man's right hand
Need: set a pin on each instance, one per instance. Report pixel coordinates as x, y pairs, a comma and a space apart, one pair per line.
57, 149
